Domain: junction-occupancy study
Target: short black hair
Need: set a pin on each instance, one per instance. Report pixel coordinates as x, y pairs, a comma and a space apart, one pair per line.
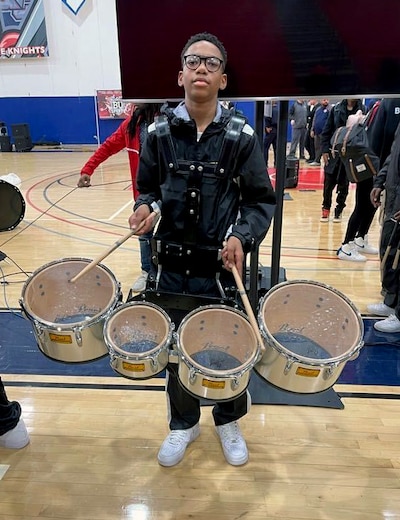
207, 37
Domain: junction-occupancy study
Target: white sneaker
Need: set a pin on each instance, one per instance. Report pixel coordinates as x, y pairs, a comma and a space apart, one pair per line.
140, 283
380, 309
16, 438
350, 253
174, 446
390, 324
363, 246
233, 444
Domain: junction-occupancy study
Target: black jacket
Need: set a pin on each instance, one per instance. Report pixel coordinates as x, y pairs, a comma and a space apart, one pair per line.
389, 178
383, 127
337, 118
242, 203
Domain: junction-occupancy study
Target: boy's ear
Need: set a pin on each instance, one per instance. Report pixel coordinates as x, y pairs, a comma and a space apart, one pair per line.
223, 82
180, 80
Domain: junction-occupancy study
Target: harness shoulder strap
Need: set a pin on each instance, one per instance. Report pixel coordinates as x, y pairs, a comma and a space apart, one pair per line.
232, 135
163, 133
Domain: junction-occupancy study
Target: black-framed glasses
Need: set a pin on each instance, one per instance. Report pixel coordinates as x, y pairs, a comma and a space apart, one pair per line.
212, 63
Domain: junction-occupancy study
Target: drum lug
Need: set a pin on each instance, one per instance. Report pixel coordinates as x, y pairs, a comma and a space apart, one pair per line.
78, 337
38, 328
234, 383
192, 376
154, 364
329, 371
288, 366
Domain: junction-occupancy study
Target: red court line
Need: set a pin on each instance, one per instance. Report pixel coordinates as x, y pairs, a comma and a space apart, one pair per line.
61, 219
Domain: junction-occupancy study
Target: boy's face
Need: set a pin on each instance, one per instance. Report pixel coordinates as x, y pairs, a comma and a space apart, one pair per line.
200, 84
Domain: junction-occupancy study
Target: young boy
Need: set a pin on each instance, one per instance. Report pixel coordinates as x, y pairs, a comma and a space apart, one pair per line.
210, 218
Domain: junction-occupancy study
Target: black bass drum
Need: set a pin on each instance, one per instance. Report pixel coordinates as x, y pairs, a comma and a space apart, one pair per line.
12, 206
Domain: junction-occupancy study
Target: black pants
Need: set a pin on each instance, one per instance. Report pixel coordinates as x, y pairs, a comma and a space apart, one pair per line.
10, 412
337, 178
363, 213
309, 145
390, 276
184, 409
270, 140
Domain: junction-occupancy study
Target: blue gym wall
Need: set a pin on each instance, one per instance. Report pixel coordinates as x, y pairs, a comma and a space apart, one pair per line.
67, 120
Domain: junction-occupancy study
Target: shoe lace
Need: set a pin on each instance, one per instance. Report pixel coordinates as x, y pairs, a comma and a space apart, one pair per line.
230, 432
392, 318
176, 437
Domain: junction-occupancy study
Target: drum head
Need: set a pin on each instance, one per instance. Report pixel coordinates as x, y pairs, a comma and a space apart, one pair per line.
310, 321
51, 298
217, 339
12, 206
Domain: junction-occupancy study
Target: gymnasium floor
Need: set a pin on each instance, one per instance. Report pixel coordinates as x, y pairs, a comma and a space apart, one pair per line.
328, 456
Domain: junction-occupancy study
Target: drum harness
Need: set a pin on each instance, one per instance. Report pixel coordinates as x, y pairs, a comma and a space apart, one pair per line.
189, 258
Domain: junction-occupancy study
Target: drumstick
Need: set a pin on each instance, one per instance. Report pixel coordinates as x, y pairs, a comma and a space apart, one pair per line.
101, 257
390, 245
247, 306
396, 257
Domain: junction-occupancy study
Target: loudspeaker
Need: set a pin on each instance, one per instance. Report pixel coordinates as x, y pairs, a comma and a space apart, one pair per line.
22, 137
3, 129
292, 172
23, 144
5, 143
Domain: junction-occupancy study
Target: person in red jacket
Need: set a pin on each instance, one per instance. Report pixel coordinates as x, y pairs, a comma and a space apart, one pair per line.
130, 135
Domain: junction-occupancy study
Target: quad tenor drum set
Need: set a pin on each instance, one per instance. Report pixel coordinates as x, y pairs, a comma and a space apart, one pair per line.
308, 331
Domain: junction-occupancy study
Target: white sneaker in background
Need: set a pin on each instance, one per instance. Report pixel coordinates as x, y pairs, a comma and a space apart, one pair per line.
233, 444
380, 309
363, 246
174, 446
16, 438
140, 283
390, 324
350, 253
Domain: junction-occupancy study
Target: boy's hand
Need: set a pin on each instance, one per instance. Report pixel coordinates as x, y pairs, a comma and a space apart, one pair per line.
232, 254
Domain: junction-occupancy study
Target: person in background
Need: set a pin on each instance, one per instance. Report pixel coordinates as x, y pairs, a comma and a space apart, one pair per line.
312, 107
298, 120
381, 138
130, 135
317, 125
334, 170
388, 179
355, 244
271, 132
13, 432
199, 239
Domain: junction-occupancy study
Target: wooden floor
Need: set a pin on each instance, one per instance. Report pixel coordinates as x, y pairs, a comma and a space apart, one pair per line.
93, 445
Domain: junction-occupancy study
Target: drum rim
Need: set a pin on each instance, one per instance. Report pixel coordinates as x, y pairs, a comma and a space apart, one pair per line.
141, 356
73, 325
298, 357
208, 372
23, 208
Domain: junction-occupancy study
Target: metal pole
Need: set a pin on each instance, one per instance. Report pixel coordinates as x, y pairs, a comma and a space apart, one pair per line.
279, 190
